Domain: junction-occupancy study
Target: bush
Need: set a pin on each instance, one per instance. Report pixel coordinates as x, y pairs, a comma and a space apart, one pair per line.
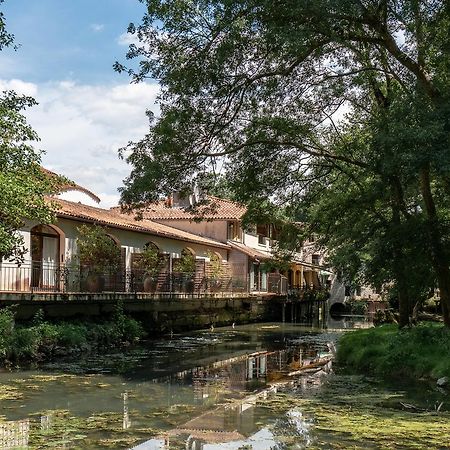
71, 335
7, 330
20, 343
387, 351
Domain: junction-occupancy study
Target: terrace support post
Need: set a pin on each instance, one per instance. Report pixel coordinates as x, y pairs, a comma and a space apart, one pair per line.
170, 273
283, 312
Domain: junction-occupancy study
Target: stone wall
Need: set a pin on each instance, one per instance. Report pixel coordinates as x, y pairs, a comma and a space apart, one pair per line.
158, 315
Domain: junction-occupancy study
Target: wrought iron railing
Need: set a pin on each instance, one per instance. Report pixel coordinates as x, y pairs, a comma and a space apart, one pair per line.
43, 277
277, 283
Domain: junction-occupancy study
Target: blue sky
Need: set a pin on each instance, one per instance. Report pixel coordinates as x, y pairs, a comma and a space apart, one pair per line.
68, 39
86, 111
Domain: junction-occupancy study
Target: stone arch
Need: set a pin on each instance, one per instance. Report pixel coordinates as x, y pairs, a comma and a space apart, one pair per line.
338, 309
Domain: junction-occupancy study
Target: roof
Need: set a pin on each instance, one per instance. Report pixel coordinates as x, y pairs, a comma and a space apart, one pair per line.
115, 219
215, 208
309, 265
70, 186
253, 253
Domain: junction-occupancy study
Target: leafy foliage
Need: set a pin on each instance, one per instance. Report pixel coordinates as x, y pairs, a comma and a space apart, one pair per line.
97, 250
185, 264
150, 260
255, 88
23, 185
41, 339
215, 262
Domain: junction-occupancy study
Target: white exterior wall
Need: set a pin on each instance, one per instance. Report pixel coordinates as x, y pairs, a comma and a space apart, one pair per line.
134, 242
251, 240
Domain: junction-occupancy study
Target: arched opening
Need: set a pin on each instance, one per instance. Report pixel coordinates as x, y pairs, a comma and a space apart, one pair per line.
338, 310
290, 276
151, 245
214, 271
298, 278
149, 269
184, 271
46, 251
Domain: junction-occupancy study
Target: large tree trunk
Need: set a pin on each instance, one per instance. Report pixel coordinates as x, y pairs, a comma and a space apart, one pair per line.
404, 307
439, 257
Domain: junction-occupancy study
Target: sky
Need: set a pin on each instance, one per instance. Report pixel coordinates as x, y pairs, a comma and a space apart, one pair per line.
86, 111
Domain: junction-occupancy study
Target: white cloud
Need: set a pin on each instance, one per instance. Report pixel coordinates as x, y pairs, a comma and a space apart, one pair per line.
97, 27
82, 127
126, 39
21, 87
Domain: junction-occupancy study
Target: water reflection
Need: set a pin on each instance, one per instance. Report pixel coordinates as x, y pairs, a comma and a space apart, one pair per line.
207, 390
234, 425
210, 403
14, 434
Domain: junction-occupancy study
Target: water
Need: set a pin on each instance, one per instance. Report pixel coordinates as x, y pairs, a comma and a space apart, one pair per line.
222, 389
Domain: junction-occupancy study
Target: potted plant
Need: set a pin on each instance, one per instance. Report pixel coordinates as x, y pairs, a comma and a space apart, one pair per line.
185, 268
150, 262
215, 272
98, 255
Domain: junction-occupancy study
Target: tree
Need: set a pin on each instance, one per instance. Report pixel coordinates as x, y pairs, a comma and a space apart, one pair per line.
256, 85
23, 184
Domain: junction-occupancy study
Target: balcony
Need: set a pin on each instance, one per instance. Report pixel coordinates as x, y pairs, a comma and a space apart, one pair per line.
68, 279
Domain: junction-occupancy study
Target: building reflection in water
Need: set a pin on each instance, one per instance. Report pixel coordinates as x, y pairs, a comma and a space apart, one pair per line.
14, 434
126, 423
235, 424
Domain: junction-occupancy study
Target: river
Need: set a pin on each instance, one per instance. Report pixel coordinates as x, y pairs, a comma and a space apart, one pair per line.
227, 388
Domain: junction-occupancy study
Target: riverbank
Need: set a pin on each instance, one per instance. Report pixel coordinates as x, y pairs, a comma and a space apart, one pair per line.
419, 352
42, 340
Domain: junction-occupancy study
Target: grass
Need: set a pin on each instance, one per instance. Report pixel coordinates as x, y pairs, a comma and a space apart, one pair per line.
421, 351
42, 340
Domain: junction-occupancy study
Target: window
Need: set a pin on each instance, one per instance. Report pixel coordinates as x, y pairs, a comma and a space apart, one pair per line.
262, 229
262, 232
251, 229
315, 259
233, 231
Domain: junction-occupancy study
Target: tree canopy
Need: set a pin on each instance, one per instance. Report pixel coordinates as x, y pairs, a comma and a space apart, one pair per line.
334, 102
23, 184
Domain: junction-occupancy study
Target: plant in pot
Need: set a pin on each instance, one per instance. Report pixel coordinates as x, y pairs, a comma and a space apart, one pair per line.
215, 271
184, 267
98, 255
150, 262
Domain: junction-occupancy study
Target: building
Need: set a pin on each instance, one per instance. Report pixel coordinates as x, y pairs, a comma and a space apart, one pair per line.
221, 220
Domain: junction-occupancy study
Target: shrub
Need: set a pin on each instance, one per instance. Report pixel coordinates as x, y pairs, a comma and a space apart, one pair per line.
71, 335
97, 250
388, 351
7, 330
19, 343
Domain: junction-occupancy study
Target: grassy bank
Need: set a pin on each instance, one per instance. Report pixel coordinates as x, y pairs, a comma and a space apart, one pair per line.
422, 351
41, 339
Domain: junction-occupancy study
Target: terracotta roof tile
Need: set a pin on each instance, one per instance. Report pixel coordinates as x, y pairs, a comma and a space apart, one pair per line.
253, 253
215, 209
115, 219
